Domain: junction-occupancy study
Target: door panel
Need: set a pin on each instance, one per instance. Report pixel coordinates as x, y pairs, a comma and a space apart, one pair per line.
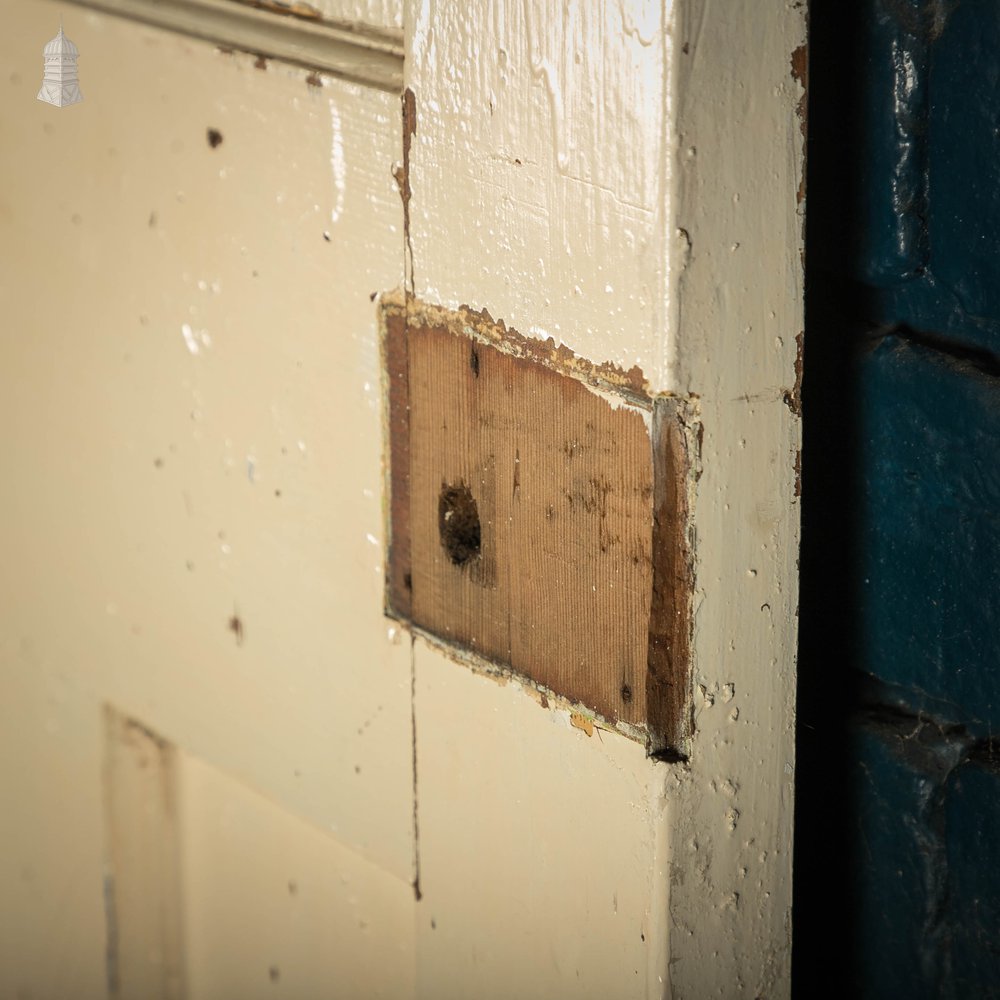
192, 436
273, 907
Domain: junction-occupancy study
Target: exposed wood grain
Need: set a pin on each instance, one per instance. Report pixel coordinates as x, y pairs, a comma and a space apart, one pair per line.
525, 514
668, 693
398, 582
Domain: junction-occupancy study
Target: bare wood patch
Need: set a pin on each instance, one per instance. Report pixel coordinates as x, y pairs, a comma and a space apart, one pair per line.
396, 368
538, 523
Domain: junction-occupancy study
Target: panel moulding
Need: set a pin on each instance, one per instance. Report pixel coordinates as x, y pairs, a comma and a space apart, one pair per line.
293, 33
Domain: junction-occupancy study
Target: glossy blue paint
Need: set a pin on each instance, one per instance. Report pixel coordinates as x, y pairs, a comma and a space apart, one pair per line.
930, 542
927, 820
890, 908
891, 247
928, 179
973, 829
899, 667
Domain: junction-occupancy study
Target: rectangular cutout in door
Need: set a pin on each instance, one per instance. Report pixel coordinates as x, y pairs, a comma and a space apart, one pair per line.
538, 515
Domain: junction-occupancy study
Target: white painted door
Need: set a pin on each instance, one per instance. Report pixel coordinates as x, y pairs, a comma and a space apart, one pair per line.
227, 772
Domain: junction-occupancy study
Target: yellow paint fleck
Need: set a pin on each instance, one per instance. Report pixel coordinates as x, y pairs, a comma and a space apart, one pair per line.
582, 722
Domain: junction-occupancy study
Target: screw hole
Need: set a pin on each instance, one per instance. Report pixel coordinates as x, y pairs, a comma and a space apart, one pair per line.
458, 523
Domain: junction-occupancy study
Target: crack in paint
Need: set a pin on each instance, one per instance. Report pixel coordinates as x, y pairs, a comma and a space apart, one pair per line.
402, 175
418, 895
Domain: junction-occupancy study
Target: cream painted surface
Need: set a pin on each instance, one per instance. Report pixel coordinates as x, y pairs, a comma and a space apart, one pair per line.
216, 891
382, 13
278, 908
739, 164
540, 169
191, 427
194, 389
541, 851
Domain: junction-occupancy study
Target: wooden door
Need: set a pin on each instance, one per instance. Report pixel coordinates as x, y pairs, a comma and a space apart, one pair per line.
230, 772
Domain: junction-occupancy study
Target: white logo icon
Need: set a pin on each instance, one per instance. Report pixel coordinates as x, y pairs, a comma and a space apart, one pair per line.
60, 86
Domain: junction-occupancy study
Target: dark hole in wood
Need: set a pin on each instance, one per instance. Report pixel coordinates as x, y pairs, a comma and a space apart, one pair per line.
458, 523
626, 693
474, 361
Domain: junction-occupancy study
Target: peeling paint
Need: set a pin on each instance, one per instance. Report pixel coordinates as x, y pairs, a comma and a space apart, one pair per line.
792, 398
800, 74
630, 385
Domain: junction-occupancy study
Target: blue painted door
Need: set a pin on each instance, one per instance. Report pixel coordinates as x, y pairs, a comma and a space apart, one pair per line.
898, 816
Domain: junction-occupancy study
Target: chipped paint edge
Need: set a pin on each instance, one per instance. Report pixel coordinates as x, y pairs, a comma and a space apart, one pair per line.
586, 718
629, 386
